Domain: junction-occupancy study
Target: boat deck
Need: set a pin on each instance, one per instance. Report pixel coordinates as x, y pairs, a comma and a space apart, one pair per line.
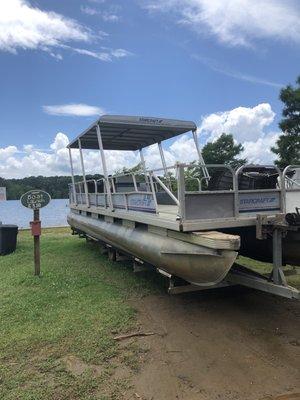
167, 217
168, 211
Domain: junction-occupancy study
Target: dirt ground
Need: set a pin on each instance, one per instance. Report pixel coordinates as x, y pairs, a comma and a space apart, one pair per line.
232, 344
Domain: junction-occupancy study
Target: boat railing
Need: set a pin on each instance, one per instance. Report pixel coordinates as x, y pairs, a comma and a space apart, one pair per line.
206, 200
195, 196
291, 179
292, 182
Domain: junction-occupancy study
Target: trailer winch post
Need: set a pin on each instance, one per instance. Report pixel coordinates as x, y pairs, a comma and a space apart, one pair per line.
277, 275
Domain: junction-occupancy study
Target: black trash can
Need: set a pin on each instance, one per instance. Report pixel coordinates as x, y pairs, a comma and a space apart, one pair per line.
8, 238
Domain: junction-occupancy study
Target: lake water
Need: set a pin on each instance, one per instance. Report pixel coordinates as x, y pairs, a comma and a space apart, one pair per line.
54, 214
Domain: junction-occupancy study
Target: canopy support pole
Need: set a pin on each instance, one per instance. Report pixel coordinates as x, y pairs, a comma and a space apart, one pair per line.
73, 179
201, 160
142, 160
163, 161
83, 174
144, 168
99, 137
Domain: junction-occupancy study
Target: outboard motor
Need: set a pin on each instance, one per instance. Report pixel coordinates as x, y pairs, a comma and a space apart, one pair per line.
293, 218
251, 178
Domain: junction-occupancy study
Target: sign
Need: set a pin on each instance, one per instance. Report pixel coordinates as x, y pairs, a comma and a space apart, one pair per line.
2, 193
262, 201
35, 199
152, 121
141, 202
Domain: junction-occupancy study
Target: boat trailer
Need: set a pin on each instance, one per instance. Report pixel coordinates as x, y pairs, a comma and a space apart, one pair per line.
275, 282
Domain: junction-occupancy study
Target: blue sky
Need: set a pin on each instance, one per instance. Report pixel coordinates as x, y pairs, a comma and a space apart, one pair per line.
218, 63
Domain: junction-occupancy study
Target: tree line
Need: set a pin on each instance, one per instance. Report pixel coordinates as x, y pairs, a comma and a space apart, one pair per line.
56, 186
224, 150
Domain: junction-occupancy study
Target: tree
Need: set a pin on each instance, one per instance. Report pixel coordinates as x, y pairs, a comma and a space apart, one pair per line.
288, 145
223, 151
132, 170
56, 186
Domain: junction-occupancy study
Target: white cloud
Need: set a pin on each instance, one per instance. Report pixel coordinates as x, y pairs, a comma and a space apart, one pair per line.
97, 1
7, 152
110, 17
106, 15
61, 142
248, 126
183, 149
152, 157
106, 54
88, 10
225, 70
259, 151
79, 110
120, 53
28, 148
23, 26
55, 160
102, 56
243, 122
235, 22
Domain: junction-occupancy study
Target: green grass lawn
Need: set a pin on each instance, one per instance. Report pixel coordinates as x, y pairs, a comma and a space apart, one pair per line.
293, 278
73, 310
56, 331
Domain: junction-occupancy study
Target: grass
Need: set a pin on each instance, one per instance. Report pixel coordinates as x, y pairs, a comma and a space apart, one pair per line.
56, 331
74, 309
290, 272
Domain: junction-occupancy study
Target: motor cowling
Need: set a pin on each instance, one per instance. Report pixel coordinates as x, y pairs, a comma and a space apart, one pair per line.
293, 218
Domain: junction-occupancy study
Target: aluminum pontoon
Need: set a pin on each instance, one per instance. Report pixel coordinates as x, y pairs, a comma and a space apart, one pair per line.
183, 219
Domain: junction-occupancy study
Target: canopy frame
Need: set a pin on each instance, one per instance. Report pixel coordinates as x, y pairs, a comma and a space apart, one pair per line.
131, 133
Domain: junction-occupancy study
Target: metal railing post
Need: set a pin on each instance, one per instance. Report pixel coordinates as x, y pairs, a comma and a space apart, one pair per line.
72, 175
113, 185
96, 193
144, 168
83, 174
166, 189
153, 191
126, 202
201, 160
134, 182
110, 202
181, 191
163, 161
80, 192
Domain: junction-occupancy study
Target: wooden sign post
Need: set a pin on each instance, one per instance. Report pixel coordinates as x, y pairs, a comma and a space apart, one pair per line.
36, 199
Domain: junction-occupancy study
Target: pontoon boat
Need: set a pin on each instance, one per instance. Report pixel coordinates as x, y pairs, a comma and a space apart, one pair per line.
189, 221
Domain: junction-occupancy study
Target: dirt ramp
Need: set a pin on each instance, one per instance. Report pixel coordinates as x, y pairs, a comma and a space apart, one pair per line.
227, 345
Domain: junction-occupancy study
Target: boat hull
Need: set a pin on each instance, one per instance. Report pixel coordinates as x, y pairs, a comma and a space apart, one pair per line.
291, 248
194, 263
262, 250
